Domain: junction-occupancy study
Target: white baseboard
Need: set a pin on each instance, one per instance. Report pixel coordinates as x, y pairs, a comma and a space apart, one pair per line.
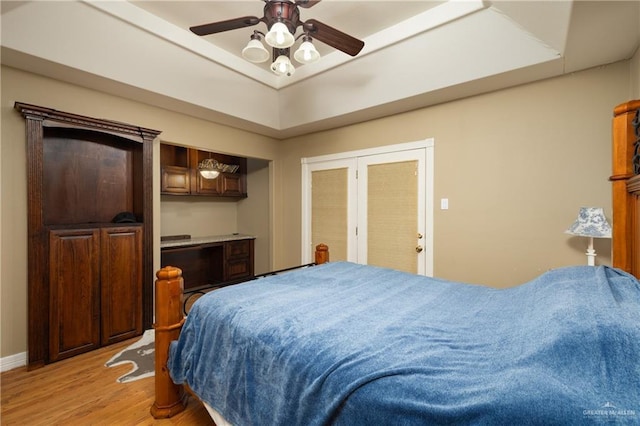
13, 361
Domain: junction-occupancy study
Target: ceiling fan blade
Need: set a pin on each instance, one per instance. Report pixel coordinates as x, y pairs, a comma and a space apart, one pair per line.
307, 3
230, 24
334, 38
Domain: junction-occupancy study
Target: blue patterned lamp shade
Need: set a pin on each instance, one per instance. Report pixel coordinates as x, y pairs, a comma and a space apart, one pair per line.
590, 223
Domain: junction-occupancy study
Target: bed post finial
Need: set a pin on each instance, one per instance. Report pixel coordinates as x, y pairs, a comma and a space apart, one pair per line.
170, 398
322, 254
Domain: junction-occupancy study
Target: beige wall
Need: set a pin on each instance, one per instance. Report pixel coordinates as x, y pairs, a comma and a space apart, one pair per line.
254, 213
516, 166
635, 76
194, 216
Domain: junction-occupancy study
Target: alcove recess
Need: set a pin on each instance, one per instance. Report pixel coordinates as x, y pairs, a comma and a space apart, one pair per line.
90, 281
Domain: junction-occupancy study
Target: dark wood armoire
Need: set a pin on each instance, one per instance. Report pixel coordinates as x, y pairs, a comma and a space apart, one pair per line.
90, 277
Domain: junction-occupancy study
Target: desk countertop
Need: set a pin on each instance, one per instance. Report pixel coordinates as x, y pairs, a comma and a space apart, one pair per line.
205, 240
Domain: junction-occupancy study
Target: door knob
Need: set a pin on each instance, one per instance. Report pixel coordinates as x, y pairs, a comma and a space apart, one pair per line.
419, 236
419, 249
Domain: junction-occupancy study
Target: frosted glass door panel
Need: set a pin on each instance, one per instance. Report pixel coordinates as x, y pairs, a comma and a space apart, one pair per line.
329, 210
392, 212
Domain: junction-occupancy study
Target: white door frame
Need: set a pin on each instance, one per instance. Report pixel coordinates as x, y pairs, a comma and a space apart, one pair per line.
311, 163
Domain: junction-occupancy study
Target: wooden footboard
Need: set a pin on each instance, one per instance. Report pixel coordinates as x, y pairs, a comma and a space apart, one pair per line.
171, 398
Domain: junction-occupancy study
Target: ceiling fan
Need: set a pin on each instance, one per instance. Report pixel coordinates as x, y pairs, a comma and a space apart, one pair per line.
282, 18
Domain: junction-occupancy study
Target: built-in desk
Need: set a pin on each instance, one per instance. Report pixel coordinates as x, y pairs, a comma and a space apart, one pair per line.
213, 261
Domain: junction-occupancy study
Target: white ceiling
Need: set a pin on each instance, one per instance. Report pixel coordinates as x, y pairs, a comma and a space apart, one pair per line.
417, 53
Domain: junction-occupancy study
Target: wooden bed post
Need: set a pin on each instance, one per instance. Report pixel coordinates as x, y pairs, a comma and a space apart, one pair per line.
625, 239
170, 398
322, 254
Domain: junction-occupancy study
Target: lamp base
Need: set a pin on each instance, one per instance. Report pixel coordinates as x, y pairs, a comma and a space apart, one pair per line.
591, 253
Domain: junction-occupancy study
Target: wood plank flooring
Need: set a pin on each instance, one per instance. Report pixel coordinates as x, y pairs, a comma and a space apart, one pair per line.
82, 391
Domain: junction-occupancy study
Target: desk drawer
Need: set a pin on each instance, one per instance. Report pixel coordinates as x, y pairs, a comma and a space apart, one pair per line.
238, 260
238, 269
239, 248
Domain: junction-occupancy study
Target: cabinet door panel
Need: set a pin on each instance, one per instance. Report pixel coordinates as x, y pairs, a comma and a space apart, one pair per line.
175, 180
206, 186
238, 260
238, 269
232, 185
121, 283
74, 292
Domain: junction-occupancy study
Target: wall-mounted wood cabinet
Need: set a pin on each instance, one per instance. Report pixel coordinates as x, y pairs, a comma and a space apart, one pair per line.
179, 173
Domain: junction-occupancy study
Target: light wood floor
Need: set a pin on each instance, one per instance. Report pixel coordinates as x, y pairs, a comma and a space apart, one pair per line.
82, 391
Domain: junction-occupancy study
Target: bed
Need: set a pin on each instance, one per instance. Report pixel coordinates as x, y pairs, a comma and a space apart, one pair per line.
325, 345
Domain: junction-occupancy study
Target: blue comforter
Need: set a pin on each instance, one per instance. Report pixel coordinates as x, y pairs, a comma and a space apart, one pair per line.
347, 344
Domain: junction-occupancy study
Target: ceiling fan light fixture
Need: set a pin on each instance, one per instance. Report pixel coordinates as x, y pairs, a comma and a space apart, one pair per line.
279, 36
255, 51
282, 18
306, 53
283, 66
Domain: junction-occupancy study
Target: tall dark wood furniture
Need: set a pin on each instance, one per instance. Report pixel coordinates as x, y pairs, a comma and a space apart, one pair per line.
90, 281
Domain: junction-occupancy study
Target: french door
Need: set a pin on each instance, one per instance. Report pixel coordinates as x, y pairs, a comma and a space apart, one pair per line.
372, 207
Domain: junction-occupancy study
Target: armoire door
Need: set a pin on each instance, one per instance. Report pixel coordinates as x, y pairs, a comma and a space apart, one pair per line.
121, 283
74, 292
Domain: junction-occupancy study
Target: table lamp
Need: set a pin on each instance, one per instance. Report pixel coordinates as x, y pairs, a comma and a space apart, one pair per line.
590, 223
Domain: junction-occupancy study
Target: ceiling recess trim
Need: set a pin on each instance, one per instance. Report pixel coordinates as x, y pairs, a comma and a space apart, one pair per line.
428, 20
